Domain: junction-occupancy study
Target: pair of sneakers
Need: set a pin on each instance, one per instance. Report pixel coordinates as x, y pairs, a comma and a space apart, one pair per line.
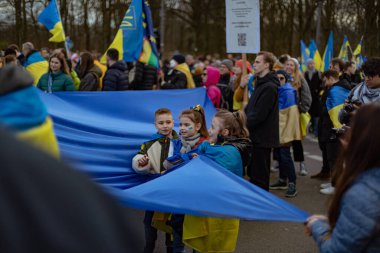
282, 185
327, 189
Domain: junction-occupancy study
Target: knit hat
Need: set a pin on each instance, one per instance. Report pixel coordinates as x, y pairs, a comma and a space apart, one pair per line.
284, 73
228, 63
179, 58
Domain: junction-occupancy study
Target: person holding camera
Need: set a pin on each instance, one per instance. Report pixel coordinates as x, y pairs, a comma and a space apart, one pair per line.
365, 93
335, 93
353, 222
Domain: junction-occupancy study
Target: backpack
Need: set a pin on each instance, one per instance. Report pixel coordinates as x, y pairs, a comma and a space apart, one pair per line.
226, 100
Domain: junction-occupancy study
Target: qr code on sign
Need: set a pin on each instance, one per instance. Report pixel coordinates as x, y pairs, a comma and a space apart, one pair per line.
242, 39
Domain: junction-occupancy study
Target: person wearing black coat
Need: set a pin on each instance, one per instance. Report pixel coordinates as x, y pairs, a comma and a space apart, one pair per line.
116, 77
313, 79
143, 77
47, 207
263, 119
176, 78
328, 142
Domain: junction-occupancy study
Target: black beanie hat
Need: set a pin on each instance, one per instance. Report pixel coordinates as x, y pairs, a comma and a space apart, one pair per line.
179, 58
284, 73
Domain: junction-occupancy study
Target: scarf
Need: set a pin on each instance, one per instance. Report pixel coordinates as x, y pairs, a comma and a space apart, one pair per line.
184, 68
189, 143
365, 94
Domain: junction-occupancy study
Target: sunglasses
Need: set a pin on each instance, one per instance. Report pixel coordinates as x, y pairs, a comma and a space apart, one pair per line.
281, 78
204, 74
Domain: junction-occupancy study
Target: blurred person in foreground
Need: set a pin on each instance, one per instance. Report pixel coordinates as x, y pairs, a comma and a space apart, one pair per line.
47, 207
353, 222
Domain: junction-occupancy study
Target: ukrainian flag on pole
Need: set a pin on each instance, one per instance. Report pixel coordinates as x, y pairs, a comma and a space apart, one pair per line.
305, 55
328, 54
51, 19
343, 54
315, 55
358, 49
129, 38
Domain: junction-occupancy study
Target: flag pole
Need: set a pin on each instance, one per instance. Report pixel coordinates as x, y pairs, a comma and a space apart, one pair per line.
64, 34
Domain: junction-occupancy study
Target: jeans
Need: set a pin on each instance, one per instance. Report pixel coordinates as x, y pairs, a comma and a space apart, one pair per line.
177, 224
298, 151
151, 234
314, 125
286, 165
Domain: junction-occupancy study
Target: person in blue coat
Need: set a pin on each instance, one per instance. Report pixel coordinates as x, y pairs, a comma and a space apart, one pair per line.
353, 222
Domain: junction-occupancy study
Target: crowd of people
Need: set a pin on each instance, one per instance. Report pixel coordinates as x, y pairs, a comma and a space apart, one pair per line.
266, 112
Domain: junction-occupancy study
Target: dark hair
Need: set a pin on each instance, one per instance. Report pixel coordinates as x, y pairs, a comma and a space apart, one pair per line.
162, 111
86, 63
10, 58
197, 115
268, 58
330, 73
283, 58
348, 64
10, 51
234, 122
371, 67
339, 62
360, 155
14, 47
113, 54
62, 60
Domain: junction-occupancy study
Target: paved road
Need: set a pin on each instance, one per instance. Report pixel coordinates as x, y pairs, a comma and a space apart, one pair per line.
281, 237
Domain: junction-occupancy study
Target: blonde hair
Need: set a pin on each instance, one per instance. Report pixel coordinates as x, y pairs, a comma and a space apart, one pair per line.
234, 122
296, 75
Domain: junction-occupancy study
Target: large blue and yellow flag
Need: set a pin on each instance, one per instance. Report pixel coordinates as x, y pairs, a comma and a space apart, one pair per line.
358, 49
51, 19
343, 53
305, 55
329, 53
315, 55
36, 65
149, 54
289, 114
334, 103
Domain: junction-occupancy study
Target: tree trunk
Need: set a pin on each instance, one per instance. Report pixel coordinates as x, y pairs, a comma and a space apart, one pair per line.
86, 27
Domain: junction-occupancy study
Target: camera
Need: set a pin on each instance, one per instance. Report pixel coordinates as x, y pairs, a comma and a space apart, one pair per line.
337, 133
346, 112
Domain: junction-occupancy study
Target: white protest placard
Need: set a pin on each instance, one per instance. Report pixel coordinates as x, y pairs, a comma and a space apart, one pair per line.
243, 26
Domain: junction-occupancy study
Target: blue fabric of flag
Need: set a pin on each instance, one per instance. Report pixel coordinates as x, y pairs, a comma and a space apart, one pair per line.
207, 189
101, 139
